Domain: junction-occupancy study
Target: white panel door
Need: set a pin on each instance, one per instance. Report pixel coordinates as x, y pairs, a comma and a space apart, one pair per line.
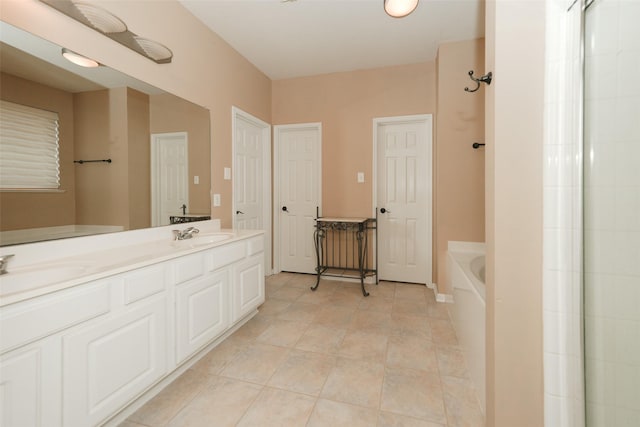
403, 186
299, 171
252, 175
170, 175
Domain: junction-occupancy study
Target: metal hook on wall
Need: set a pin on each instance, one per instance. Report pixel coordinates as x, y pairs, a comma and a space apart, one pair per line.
484, 79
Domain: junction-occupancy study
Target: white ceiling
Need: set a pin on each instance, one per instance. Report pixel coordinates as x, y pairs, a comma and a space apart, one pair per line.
286, 39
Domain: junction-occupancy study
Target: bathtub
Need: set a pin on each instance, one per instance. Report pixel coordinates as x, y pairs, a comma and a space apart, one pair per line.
466, 265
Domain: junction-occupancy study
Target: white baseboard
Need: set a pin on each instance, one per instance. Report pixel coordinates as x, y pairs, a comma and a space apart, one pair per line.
447, 298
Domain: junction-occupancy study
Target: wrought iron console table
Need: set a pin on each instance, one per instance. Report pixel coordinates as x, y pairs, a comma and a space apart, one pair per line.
342, 247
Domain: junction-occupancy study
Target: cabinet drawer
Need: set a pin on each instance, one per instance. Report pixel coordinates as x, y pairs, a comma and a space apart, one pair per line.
143, 283
226, 255
189, 267
255, 245
30, 320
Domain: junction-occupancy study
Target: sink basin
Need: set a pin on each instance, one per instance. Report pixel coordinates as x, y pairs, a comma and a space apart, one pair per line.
20, 280
203, 239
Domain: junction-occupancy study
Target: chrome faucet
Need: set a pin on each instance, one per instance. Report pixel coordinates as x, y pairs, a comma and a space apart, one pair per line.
4, 260
187, 233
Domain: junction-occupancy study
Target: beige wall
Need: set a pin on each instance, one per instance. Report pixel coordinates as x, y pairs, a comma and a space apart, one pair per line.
21, 210
113, 124
172, 114
205, 69
346, 104
459, 169
100, 134
139, 164
514, 132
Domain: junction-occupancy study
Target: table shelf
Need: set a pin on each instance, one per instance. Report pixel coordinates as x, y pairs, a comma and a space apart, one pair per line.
342, 249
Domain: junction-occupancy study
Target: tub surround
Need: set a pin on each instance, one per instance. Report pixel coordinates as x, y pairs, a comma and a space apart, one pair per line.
90, 336
466, 264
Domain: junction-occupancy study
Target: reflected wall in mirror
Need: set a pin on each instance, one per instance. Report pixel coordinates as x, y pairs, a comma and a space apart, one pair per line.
102, 115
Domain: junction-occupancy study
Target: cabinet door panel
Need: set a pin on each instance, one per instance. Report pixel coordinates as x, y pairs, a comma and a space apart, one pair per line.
30, 320
248, 286
30, 385
109, 363
201, 312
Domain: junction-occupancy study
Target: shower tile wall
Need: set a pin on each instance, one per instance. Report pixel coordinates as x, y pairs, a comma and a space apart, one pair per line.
612, 213
564, 393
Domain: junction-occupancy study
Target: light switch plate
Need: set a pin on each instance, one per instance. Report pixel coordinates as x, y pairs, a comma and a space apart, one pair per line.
227, 173
216, 200
196, 179
360, 177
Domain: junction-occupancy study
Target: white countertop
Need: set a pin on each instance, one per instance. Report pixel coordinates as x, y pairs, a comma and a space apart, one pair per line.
41, 268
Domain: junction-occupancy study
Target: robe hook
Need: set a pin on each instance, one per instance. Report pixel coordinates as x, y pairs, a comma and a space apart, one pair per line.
484, 79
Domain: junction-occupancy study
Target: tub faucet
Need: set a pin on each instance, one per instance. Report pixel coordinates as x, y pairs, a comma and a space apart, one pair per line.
4, 260
187, 233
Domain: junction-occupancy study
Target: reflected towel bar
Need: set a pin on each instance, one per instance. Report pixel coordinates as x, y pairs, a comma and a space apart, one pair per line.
92, 161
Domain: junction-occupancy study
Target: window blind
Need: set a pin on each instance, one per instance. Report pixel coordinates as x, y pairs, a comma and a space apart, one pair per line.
29, 156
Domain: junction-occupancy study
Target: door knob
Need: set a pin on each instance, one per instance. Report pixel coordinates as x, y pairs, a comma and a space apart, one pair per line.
383, 210
239, 213
284, 209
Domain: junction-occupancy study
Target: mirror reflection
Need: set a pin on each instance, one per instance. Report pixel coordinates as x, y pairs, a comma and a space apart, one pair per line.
158, 144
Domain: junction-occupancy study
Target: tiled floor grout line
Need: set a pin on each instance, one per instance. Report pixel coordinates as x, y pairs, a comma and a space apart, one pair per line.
359, 311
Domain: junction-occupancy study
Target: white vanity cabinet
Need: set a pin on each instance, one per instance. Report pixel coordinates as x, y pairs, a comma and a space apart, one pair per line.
248, 289
111, 360
202, 310
30, 382
79, 356
31, 355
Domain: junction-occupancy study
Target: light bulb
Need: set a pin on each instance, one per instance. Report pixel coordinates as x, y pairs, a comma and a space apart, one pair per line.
399, 8
78, 59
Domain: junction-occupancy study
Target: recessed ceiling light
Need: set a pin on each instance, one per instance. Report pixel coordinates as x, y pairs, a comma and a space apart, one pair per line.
78, 59
400, 8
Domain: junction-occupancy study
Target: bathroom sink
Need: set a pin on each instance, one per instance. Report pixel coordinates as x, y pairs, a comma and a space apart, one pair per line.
203, 239
20, 280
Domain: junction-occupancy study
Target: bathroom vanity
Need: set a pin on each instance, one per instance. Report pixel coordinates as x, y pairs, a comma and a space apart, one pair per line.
84, 337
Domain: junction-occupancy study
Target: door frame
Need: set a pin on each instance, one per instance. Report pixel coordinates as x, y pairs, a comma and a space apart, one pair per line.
237, 113
427, 120
155, 170
277, 131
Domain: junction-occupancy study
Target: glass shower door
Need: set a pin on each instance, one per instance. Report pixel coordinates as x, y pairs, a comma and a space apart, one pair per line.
612, 213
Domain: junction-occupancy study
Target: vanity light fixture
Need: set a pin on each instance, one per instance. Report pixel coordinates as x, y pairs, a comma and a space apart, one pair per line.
100, 19
113, 27
400, 8
78, 59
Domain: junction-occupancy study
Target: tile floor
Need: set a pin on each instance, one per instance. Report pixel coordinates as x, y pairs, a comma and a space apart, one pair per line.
328, 358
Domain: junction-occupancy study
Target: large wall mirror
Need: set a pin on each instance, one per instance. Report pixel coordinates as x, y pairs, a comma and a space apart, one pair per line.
158, 146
